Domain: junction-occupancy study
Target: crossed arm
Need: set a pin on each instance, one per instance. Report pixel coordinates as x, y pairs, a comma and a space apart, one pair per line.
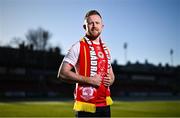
66, 74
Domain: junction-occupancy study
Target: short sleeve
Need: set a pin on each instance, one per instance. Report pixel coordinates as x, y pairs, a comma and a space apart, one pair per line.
73, 54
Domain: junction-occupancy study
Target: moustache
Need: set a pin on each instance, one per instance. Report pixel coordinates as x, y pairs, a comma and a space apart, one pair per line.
95, 28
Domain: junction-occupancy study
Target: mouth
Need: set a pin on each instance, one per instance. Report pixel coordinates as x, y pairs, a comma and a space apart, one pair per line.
95, 29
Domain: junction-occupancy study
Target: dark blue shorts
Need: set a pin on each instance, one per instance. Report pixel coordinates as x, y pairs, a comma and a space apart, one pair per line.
100, 112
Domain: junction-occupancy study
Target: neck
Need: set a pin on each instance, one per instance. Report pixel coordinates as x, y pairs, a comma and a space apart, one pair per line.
95, 40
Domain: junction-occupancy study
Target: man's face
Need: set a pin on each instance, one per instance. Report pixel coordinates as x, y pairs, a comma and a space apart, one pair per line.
94, 26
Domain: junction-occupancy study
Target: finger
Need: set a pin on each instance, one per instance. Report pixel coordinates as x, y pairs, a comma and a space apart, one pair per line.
106, 78
106, 84
106, 81
107, 75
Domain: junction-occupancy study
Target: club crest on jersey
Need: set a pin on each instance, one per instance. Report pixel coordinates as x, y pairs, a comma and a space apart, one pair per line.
100, 55
87, 93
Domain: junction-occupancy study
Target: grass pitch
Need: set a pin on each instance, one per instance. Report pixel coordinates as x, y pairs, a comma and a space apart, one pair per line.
64, 109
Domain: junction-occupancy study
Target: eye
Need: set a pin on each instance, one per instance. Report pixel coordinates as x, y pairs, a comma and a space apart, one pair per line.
90, 23
97, 22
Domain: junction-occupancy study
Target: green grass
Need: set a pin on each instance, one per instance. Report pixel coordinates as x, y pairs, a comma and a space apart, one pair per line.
146, 109
64, 109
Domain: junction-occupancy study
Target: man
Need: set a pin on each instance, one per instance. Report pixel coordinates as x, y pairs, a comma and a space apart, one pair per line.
94, 75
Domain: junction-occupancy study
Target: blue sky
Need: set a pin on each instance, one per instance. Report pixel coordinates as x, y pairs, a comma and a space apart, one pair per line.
150, 27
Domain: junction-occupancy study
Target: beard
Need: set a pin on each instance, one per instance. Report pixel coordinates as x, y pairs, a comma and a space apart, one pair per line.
94, 34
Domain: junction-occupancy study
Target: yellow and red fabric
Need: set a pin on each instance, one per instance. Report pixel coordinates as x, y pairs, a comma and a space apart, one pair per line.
87, 97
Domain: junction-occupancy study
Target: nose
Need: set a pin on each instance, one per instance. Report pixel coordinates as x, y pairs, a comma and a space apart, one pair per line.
94, 24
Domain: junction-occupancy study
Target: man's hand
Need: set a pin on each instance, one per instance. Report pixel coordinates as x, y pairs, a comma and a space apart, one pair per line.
107, 80
96, 80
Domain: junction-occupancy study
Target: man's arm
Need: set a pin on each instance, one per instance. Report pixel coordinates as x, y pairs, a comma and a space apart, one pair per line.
66, 74
109, 79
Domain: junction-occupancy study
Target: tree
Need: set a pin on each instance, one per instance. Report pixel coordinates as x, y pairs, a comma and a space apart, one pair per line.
15, 42
38, 38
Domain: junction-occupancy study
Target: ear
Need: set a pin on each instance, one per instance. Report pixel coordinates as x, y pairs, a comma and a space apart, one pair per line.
84, 26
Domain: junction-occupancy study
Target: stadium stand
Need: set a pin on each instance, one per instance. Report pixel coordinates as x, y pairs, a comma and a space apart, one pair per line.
25, 72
